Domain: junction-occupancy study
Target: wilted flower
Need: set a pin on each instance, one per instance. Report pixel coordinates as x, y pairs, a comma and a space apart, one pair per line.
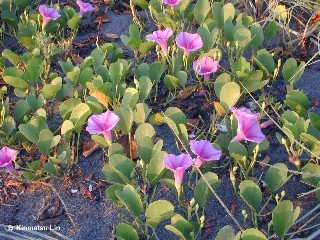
102, 123
171, 3
267, 123
205, 66
161, 37
84, 7
178, 165
205, 152
6, 157
48, 14
189, 42
248, 126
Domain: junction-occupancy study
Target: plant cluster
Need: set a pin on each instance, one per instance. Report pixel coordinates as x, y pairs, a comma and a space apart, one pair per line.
110, 97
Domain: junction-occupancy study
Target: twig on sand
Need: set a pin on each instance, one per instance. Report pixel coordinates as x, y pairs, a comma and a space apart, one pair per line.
58, 195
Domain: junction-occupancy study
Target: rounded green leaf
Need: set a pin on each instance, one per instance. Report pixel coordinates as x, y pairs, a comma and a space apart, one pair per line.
275, 177
226, 233
131, 199
126, 119
158, 211
202, 191
283, 216
126, 232
229, 94
243, 37
251, 193
253, 234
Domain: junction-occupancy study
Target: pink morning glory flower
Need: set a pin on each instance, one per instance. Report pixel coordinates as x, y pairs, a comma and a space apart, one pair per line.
102, 123
6, 157
189, 42
171, 3
84, 7
178, 165
205, 66
205, 152
248, 126
161, 37
48, 14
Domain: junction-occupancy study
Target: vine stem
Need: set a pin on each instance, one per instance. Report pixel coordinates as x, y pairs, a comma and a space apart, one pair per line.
220, 201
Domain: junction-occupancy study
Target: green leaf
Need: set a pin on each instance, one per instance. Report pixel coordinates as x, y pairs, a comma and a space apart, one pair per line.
126, 232
155, 168
67, 106
201, 10
292, 72
271, 29
202, 191
144, 129
176, 115
253, 234
141, 113
145, 86
275, 177
251, 193
20, 110
181, 227
156, 69
111, 192
73, 23
47, 141
243, 37
33, 69
257, 35
14, 77
283, 216
131, 199
79, 116
126, 119
157, 212
145, 149
311, 168
229, 95
298, 102
171, 82
226, 233
119, 169
265, 62
11, 56
66, 130
51, 168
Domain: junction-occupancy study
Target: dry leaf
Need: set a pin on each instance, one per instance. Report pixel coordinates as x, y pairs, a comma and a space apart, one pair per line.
100, 96
124, 141
77, 59
192, 124
266, 160
184, 94
89, 147
112, 36
233, 208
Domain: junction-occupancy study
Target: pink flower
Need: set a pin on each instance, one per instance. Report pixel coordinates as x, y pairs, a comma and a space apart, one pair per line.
205, 152
267, 124
205, 66
84, 7
6, 157
48, 14
248, 126
189, 42
102, 123
178, 165
161, 37
171, 3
